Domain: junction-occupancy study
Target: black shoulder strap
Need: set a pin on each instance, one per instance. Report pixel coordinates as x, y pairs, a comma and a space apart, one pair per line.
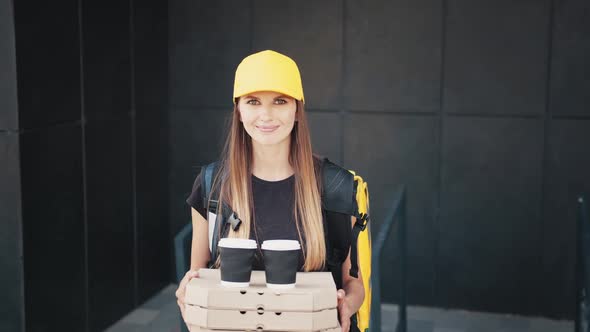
207, 181
210, 201
339, 195
338, 188
358, 227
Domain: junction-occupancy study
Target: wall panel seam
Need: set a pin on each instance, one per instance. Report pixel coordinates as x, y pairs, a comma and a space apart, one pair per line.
546, 117
133, 156
82, 123
342, 113
439, 161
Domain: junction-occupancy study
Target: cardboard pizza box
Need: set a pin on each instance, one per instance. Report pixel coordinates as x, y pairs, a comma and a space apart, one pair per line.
313, 291
195, 328
235, 319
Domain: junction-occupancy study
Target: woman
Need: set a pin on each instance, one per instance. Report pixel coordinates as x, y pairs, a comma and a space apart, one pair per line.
269, 177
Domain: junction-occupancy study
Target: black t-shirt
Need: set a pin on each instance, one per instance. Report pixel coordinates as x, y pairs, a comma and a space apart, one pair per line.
273, 212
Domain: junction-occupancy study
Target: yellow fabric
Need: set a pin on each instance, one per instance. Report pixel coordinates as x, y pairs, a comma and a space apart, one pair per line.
364, 252
268, 71
362, 194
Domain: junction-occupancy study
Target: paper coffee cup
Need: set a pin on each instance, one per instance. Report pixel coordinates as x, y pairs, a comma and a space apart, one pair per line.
281, 261
236, 256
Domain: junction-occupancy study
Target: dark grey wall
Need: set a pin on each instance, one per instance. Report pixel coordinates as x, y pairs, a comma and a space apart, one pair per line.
11, 277
480, 107
91, 133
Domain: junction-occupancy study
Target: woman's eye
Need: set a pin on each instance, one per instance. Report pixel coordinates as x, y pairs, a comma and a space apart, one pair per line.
252, 102
280, 101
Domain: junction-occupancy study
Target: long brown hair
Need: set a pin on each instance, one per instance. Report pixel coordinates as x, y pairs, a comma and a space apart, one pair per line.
235, 186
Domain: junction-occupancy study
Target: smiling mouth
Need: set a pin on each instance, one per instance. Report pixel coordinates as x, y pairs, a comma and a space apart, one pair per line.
267, 129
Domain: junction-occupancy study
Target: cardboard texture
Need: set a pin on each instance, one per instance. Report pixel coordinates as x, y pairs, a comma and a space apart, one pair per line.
309, 306
195, 328
265, 320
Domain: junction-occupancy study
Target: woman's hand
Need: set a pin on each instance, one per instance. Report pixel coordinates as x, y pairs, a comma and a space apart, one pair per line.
344, 310
180, 292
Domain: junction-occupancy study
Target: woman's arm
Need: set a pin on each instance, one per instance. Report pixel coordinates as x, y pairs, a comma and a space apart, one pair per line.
200, 243
352, 294
199, 255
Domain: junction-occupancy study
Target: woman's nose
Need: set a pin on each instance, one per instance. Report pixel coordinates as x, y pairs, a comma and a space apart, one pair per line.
266, 112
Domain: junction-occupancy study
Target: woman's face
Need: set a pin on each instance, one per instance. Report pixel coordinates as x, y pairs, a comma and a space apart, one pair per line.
268, 116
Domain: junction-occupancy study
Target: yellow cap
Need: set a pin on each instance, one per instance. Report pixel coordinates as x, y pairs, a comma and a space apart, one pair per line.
268, 71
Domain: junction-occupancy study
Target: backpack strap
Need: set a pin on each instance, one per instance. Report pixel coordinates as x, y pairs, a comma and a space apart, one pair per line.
211, 203
337, 188
207, 181
345, 192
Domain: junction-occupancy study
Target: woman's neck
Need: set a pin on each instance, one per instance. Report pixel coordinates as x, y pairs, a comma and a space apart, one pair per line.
271, 162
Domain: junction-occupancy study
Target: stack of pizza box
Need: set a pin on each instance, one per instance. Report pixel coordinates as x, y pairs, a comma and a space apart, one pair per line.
309, 306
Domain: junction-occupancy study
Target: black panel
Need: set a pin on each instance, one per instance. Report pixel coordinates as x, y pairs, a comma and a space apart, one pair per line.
154, 257
48, 62
496, 56
393, 55
109, 191
207, 42
490, 223
567, 176
155, 268
107, 60
196, 138
11, 278
310, 32
8, 104
398, 150
325, 134
570, 87
151, 53
53, 229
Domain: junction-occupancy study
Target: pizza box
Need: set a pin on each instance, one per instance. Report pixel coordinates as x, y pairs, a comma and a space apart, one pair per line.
195, 328
235, 319
313, 291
